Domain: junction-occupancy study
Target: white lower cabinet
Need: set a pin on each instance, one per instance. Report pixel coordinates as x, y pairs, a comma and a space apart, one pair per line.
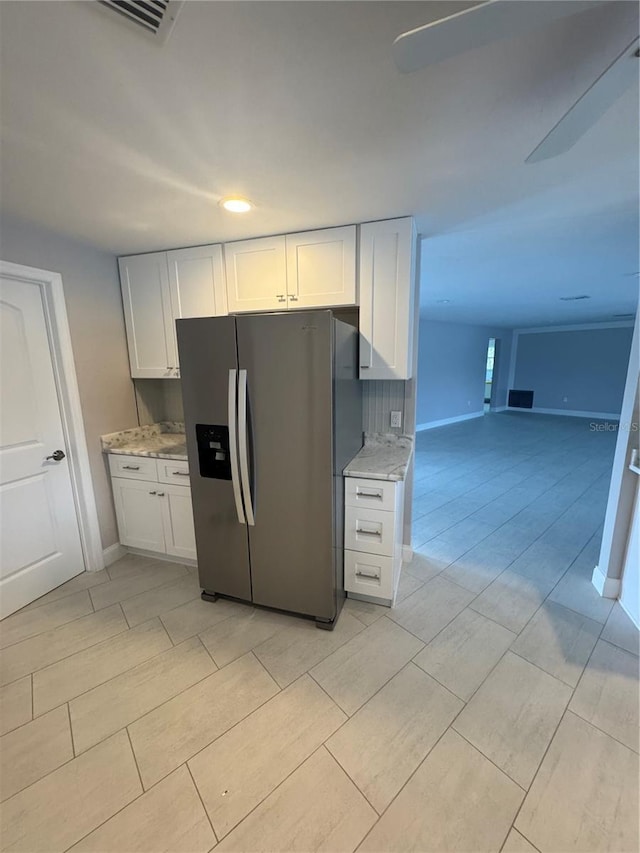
373, 539
152, 515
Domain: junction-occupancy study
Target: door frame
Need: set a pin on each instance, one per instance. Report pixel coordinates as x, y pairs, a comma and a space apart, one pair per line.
64, 371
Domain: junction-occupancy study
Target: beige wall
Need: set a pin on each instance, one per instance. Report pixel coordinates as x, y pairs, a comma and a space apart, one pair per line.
94, 309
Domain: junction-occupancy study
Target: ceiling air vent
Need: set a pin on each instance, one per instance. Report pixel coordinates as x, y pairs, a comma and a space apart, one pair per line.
624, 316
573, 298
155, 17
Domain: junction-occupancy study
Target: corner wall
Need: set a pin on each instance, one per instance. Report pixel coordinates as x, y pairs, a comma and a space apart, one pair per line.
451, 371
577, 370
94, 309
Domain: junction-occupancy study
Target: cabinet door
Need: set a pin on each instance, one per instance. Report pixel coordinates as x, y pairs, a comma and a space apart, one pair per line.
148, 317
387, 295
196, 284
321, 268
139, 514
256, 274
177, 518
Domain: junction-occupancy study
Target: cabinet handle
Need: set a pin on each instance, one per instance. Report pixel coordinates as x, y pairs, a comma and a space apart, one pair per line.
152, 493
369, 532
293, 298
280, 297
180, 473
130, 467
372, 575
170, 368
160, 494
362, 494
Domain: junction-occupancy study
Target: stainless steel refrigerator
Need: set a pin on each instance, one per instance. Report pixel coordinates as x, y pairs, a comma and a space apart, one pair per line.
273, 413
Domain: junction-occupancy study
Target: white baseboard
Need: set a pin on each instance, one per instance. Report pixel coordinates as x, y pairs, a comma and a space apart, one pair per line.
113, 553
607, 587
167, 558
447, 421
498, 409
602, 416
407, 553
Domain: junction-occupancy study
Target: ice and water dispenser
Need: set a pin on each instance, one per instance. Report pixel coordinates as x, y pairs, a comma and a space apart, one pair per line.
213, 451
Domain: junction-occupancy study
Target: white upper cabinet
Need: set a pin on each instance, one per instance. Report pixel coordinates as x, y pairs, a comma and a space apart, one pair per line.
196, 282
387, 298
148, 315
321, 268
256, 274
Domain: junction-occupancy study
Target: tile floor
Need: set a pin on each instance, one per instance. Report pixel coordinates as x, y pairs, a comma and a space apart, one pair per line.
495, 707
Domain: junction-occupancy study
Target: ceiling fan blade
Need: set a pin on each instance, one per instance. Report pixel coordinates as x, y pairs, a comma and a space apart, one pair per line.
489, 21
586, 111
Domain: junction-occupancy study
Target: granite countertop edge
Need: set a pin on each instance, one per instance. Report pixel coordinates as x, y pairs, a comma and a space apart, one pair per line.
384, 456
163, 440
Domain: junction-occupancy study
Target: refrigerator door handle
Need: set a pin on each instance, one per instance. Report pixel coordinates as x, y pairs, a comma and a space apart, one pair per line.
244, 454
233, 444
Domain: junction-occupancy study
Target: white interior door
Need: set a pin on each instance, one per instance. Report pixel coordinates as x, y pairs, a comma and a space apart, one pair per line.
39, 534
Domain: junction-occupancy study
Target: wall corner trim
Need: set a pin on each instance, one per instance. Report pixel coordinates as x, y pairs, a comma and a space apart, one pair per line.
407, 553
606, 587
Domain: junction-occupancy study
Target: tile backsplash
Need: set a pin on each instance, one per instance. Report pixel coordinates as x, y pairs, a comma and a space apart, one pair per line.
380, 397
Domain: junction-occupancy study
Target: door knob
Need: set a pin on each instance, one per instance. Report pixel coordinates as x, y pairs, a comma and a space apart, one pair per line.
57, 455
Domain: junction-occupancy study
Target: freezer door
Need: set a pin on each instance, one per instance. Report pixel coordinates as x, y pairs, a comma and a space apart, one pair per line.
208, 365
288, 363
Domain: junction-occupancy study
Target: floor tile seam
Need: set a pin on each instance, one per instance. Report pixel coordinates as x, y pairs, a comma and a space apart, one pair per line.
44, 775
206, 745
125, 806
535, 775
489, 673
635, 750
66, 657
256, 649
615, 645
352, 715
70, 699
546, 672
351, 779
199, 795
411, 776
424, 643
504, 772
146, 713
197, 633
512, 827
54, 628
279, 785
151, 589
35, 606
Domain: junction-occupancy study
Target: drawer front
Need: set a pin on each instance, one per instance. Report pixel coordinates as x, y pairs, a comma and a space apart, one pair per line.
173, 471
133, 467
369, 530
368, 574
373, 494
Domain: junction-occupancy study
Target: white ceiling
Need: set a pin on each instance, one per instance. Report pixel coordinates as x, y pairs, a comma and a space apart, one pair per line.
129, 145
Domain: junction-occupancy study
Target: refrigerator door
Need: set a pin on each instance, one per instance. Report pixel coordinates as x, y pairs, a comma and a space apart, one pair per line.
288, 363
208, 364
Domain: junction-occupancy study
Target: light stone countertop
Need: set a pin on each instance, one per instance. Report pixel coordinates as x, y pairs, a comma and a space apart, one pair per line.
164, 440
385, 456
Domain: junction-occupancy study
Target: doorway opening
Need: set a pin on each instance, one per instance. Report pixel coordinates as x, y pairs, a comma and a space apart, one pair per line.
488, 376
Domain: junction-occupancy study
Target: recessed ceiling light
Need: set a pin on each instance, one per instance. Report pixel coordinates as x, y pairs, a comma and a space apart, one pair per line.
443, 301
235, 204
573, 298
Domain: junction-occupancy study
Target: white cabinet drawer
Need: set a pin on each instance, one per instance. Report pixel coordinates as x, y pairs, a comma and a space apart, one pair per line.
373, 494
133, 467
173, 471
369, 530
368, 574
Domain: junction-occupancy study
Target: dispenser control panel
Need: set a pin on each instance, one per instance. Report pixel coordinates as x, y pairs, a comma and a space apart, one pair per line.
213, 451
